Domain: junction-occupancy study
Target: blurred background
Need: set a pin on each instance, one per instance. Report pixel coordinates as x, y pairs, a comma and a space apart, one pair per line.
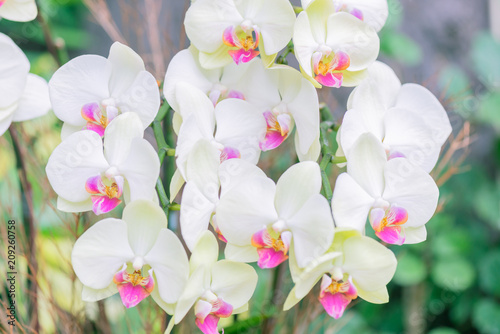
446, 285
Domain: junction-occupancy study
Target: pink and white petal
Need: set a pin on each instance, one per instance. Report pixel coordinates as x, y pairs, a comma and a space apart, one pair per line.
209, 325
275, 20
375, 12
14, 66
330, 79
304, 42
236, 253
350, 203
119, 136
366, 162
145, 220
270, 258
76, 159
370, 264
311, 275
171, 271
295, 187
185, 68
240, 125
100, 252
246, 209
141, 169
241, 56
407, 133
312, 228
35, 100
394, 235
354, 37
202, 309
93, 295
82, 80
67, 206
131, 295
410, 187
125, 66
272, 140
142, 97
205, 252
233, 282
419, 99
334, 304
103, 204
205, 23
195, 214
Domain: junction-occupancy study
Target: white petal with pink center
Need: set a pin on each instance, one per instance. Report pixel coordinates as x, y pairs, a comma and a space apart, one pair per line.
373, 12
354, 266
237, 31
89, 91
272, 218
216, 289
24, 96
398, 197
88, 174
333, 48
18, 10
408, 119
133, 256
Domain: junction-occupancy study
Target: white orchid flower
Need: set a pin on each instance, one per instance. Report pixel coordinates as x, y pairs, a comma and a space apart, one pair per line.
88, 174
23, 96
135, 256
333, 48
89, 91
217, 289
208, 180
398, 197
226, 30
409, 120
18, 10
219, 83
261, 220
240, 127
373, 12
355, 265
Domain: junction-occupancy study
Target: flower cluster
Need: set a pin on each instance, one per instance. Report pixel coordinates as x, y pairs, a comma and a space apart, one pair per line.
230, 102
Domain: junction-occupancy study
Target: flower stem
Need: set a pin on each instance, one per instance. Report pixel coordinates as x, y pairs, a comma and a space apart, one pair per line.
55, 47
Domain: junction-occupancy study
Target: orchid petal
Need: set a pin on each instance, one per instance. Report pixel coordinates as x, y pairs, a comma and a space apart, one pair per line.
35, 100
14, 66
19, 10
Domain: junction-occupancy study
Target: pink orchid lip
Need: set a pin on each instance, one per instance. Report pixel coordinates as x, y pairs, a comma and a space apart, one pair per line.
278, 129
388, 224
272, 251
246, 45
97, 121
329, 68
208, 325
105, 193
335, 296
208, 314
133, 288
229, 153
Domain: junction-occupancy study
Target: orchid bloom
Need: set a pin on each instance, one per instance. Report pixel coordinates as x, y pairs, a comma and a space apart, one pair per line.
218, 83
373, 12
409, 120
292, 103
229, 30
90, 175
355, 265
240, 127
89, 91
397, 196
217, 289
208, 180
333, 48
262, 220
24, 96
18, 10
135, 256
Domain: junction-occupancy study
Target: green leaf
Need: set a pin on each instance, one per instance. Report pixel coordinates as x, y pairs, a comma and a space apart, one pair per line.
485, 54
488, 110
486, 316
411, 270
400, 47
487, 204
453, 273
489, 273
443, 330
454, 242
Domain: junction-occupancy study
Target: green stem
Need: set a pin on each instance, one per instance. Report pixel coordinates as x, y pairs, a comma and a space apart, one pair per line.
297, 9
338, 160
